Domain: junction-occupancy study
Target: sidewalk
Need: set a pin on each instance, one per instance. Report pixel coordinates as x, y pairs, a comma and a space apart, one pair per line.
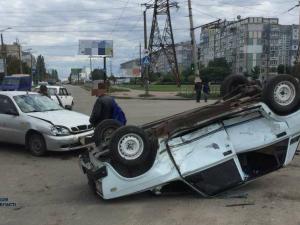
136, 94
154, 95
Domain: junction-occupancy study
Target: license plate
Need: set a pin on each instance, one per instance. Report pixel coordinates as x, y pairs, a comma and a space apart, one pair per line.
82, 140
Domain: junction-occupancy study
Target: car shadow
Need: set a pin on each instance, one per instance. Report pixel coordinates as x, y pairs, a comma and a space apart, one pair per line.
22, 151
13, 148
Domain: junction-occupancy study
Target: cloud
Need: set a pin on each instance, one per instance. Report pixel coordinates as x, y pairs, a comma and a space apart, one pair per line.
53, 28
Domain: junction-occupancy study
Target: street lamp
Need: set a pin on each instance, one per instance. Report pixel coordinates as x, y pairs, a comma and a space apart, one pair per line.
3, 50
29, 50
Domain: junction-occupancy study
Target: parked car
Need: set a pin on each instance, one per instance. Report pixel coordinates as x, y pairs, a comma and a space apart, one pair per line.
250, 132
17, 82
40, 124
60, 95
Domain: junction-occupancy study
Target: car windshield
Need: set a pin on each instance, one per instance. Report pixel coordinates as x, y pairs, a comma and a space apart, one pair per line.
52, 91
36, 103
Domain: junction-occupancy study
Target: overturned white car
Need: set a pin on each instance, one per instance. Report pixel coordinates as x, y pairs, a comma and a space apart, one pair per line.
247, 134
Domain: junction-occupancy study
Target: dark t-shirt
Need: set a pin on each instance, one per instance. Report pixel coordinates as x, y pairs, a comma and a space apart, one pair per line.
103, 110
198, 86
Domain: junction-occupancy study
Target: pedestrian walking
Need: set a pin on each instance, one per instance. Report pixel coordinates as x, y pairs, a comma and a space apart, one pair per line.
198, 88
206, 91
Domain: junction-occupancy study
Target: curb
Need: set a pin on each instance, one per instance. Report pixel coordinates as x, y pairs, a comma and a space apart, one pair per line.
153, 98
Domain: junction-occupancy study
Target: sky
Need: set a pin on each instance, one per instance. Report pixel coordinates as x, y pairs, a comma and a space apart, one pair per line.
53, 28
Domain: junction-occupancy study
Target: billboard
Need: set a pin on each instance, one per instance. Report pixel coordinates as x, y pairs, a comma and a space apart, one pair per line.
96, 48
76, 71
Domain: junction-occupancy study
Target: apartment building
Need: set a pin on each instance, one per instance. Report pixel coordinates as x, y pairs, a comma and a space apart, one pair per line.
250, 42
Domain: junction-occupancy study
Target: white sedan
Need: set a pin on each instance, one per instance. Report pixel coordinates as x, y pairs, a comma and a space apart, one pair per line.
60, 95
40, 124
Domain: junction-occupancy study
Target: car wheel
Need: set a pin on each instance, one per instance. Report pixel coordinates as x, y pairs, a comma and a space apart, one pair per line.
105, 130
231, 83
37, 145
281, 94
130, 146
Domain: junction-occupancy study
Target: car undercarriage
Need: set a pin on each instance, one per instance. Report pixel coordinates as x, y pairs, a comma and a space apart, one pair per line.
211, 149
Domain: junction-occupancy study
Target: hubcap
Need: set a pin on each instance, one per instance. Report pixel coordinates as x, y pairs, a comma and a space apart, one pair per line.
130, 146
36, 145
284, 93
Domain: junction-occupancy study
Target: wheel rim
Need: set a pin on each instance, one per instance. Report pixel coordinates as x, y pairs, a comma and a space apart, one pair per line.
107, 134
131, 146
36, 145
284, 93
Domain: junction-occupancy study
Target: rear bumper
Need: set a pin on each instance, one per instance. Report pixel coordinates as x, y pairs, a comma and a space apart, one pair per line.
89, 169
67, 143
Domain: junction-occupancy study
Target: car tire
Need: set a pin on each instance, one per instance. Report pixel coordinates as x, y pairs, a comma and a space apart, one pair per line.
130, 146
230, 83
37, 145
281, 94
105, 130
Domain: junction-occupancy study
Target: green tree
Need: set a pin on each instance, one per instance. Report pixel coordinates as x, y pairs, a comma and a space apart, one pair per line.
98, 74
216, 70
186, 74
284, 69
154, 77
40, 69
113, 79
13, 66
255, 72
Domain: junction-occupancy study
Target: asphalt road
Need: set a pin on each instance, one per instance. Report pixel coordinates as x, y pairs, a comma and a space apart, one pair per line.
52, 191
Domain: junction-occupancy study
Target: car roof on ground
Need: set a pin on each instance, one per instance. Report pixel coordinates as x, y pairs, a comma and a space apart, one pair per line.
15, 93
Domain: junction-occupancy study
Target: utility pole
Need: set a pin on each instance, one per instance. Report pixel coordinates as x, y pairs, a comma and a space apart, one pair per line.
111, 69
193, 41
20, 56
91, 65
104, 67
298, 52
163, 42
3, 53
146, 68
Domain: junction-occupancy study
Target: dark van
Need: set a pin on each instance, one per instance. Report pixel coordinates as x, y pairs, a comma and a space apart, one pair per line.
19, 82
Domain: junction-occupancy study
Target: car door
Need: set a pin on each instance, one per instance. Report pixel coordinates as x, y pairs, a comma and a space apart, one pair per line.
62, 97
13, 126
68, 98
207, 160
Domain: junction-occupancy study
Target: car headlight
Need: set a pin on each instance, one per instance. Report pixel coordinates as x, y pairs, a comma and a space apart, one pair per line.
59, 131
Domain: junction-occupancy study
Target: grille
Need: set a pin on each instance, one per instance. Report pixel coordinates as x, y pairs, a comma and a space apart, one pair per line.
81, 128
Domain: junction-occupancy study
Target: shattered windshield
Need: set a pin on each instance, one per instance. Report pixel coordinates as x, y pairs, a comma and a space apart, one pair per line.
36, 103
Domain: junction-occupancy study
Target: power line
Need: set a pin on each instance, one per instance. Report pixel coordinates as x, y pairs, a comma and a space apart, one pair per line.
121, 15
77, 31
64, 24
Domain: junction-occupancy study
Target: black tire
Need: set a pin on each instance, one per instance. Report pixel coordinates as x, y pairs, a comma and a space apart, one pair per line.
105, 130
231, 83
281, 94
37, 145
130, 146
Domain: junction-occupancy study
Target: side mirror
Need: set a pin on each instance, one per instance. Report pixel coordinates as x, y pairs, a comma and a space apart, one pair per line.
68, 107
12, 112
